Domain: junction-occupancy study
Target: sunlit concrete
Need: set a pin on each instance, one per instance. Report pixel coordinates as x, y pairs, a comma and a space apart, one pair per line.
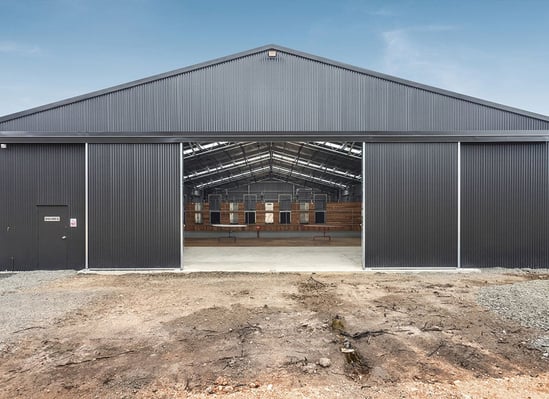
318, 259
273, 259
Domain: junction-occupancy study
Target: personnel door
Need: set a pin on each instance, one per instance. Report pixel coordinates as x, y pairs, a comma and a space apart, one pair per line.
52, 237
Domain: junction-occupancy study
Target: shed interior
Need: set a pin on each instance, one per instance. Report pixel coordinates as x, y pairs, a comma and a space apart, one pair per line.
275, 190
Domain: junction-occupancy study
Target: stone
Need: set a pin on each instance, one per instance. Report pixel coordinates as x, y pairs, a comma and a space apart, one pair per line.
324, 362
221, 381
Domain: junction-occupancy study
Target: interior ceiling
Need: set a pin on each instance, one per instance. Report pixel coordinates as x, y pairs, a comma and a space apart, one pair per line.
325, 165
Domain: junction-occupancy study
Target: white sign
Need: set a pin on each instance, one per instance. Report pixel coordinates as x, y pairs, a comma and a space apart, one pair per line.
73, 222
52, 218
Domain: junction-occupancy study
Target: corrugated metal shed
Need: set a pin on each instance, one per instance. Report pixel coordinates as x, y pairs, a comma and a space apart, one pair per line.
293, 118
252, 92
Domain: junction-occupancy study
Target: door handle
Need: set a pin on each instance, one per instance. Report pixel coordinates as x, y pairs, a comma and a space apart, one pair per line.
64, 237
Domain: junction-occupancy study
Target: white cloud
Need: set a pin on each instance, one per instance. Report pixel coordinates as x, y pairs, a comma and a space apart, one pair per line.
414, 54
428, 55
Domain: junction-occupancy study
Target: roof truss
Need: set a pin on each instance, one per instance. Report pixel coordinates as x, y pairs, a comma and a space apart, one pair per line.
331, 165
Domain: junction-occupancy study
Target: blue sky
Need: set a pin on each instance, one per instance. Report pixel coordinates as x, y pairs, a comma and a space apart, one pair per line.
497, 50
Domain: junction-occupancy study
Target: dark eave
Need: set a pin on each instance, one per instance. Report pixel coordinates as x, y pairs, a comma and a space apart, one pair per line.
277, 136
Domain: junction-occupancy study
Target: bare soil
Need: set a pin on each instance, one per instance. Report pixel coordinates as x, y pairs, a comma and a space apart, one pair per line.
264, 335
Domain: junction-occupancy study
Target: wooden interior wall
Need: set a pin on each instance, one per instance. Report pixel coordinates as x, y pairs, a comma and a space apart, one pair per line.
346, 215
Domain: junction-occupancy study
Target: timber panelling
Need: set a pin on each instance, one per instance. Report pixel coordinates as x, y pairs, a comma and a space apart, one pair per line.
344, 214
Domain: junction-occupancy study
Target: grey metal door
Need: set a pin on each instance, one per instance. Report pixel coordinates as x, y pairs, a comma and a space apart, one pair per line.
52, 237
505, 211
410, 205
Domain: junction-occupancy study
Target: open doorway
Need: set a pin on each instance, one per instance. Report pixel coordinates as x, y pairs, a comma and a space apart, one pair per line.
270, 194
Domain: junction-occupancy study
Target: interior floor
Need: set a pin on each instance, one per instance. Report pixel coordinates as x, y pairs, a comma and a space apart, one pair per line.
272, 239
273, 259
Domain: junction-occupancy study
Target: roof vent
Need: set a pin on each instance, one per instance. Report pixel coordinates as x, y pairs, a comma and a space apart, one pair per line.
272, 53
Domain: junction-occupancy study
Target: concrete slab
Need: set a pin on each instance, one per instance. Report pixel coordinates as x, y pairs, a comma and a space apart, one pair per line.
317, 259
273, 259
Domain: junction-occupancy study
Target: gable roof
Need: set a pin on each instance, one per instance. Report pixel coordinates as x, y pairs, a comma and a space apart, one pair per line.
252, 92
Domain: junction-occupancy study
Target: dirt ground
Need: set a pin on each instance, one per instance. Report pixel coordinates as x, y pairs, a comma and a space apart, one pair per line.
365, 335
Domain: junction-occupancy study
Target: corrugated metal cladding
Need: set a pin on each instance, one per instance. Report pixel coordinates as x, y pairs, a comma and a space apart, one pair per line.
505, 200
411, 205
285, 93
134, 205
30, 176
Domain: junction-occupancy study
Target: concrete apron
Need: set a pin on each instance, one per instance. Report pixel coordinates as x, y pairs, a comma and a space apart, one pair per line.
273, 259
276, 259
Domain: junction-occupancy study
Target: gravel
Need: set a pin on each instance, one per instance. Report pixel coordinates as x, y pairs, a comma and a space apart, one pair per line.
10, 282
23, 307
526, 302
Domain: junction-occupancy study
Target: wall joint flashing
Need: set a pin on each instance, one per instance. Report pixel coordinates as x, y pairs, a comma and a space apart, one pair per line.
459, 205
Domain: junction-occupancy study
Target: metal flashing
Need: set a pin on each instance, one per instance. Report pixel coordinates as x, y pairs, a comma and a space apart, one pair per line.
362, 136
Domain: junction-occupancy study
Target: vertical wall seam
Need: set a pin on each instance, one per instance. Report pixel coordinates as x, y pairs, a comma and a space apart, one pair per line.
181, 206
459, 204
86, 207
363, 213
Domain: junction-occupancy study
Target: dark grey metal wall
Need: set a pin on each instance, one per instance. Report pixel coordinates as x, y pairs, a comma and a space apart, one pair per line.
505, 205
33, 175
134, 206
253, 92
411, 205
